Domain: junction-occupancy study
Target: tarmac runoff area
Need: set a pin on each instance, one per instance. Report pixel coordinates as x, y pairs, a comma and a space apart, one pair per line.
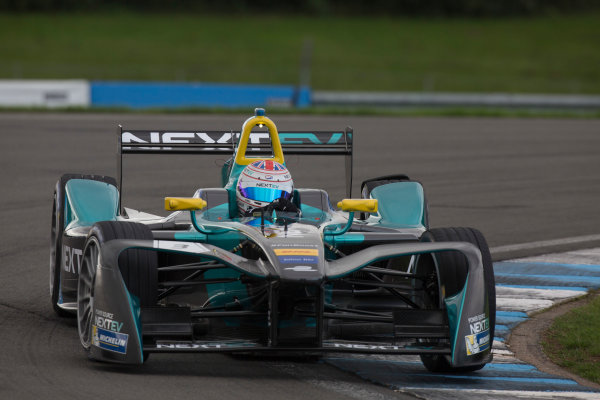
524, 286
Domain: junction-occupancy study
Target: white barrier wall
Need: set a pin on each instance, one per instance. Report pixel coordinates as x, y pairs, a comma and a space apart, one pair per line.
44, 93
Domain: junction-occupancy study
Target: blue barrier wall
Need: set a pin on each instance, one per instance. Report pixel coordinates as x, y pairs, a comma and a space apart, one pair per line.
176, 95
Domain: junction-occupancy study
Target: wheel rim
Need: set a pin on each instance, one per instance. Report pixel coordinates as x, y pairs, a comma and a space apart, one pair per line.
53, 247
85, 292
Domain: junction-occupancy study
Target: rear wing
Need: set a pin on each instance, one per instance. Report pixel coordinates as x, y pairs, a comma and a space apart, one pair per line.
329, 143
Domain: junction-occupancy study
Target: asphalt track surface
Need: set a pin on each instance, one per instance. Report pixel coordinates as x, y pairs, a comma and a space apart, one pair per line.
516, 180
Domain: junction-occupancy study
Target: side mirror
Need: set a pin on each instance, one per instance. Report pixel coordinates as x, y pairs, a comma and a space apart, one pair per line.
184, 203
363, 205
352, 205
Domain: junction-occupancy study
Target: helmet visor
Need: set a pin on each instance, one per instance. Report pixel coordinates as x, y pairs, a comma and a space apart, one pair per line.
264, 194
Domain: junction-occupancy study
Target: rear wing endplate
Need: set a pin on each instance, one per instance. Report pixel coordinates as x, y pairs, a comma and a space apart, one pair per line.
328, 143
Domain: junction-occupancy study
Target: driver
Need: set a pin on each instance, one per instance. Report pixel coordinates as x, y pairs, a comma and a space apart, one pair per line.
262, 184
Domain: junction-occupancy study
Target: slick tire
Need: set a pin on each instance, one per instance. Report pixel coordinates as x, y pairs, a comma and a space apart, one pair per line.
57, 228
139, 269
454, 279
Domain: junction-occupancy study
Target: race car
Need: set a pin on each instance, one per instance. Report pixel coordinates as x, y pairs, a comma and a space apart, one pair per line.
298, 276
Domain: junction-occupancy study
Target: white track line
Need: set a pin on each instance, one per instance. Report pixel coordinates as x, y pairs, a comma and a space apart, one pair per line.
517, 394
581, 257
530, 300
544, 243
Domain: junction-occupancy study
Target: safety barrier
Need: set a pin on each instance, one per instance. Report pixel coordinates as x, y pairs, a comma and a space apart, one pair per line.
140, 95
79, 93
181, 95
44, 93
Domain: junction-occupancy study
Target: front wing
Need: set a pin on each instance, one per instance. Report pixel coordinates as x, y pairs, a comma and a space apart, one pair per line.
120, 332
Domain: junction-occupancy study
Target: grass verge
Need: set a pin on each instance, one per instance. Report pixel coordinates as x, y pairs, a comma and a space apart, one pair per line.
572, 341
550, 54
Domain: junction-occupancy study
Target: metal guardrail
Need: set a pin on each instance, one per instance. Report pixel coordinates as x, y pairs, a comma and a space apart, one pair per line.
407, 99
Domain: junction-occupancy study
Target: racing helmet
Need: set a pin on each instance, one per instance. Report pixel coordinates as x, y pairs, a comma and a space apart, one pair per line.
260, 183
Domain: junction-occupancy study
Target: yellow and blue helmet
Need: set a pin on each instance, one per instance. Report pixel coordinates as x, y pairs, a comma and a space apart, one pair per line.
260, 183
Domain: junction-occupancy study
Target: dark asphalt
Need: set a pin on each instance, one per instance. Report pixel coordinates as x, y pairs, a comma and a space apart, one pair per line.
516, 180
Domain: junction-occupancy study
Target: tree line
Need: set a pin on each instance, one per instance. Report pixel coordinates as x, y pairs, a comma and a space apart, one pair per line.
314, 7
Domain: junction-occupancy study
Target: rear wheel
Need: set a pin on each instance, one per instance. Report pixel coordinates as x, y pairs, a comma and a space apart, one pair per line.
451, 280
56, 232
57, 229
85, 291
138, 269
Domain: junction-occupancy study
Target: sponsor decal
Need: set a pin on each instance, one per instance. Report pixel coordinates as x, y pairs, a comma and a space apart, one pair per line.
479, 339
361, 346
275, 231
180, 246
177, 137
109, 340
267, 185
478, 342
296, 252
291, 245
479, 323
224, 138
200, 346
298, 259
187, 346
301, 268
72, 259
106, 320
309, 138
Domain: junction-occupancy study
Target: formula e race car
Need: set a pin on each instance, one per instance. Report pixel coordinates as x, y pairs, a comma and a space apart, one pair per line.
366, 277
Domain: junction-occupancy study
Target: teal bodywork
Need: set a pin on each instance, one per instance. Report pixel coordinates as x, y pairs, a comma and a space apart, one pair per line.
221, 294
350, 238
225, 172
89, 201
136, 311
401, 204
454, 307
218, 213
314, 214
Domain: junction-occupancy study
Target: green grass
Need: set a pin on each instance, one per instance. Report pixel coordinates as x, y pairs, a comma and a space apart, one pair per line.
552, 54
573, 341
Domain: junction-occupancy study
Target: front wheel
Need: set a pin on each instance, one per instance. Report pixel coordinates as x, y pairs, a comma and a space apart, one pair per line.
138, 268
452, 278
85, 291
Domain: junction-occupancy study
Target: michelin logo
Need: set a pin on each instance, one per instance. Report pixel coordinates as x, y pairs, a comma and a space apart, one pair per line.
478, 342
109, 340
